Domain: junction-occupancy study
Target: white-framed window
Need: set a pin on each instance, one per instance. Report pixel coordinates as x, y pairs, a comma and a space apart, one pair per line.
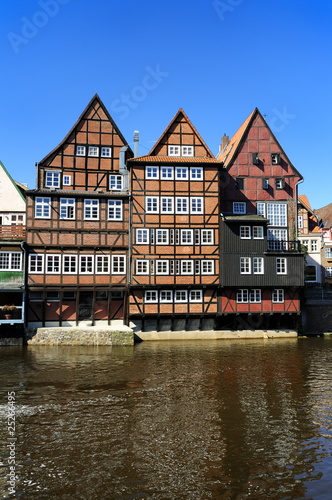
275, 158
258, 232
173, 150
278, 295
67, 208
207, 236
196, 173
10, 261
42, 208
245, 265
187, 267
245, 232
187, 150
258, 265
195, 296
328, 271
93, 151
86, 264
52, 179
167, 204
167, 173
277, 214
300, 221
69, 264
181, 173
17, 219
106, 152
66, 180
151, 296
280, 183
142, 266
314, 245
281, 265
116, 182
239, 207
186, 236
207, 267
162, 236
118, 264
196, 205
36, 263
115, 209
261, 209
328, 252
277, 239
152, 204
102, 264
162, 267
80, 150
142, 236
91, 209
182, 206
255, 295
53, 263
242, 296
152, 172
166, 296
180, 296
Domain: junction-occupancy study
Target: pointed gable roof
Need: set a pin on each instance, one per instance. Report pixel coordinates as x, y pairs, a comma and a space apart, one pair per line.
11, 187
228, 154
91, 111
181, 131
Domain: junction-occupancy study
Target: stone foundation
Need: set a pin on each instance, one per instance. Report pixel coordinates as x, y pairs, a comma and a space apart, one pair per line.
81, 336
215, 335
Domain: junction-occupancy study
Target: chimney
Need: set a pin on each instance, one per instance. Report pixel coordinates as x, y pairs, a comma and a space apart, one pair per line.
136, 139
224, 141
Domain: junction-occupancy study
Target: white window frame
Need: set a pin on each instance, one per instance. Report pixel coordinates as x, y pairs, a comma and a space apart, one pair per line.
115, 209
186, 237
205, 239
182, 205
52, 263
66, 180
142, 266
281, 265
277, 214
261, 209
280, 183
151, 172
187, 267
151, 296
167, 172
80, 150
162, 236
328, 252
258, 265
180, 296
245, 232
174, 150
52, 179
258, 232
314, 246
278, 296
106, 152
196, 173
91, 209
239, 207
86, 264
207, 266
181, 173
196, 296
245, 265
13, 263
152, 204
116, 182
69, 261
255, 296
167, 205
197, 205
300, 221
162, 267
242, 296
143, 235
42, 204
118, 264
166, 296
36, 263
328, 272
187, 150
103, 263
93, 151
65, 205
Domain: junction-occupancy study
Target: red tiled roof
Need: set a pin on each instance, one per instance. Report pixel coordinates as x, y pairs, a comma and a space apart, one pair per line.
175, 159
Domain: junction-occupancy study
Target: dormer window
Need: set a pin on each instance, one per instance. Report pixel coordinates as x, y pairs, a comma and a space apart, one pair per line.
173, 150
255, 158
52, 179
275, 158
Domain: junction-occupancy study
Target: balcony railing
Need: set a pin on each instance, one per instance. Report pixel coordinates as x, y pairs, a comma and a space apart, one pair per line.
15, 232
283, 246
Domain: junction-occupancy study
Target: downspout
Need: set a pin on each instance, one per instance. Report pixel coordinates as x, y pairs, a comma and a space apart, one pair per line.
24, 288
124, 171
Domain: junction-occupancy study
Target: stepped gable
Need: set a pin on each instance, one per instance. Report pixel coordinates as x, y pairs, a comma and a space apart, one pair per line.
255, 136
95, 126
181, 132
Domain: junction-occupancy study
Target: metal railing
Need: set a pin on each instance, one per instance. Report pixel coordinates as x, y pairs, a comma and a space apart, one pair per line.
283, 246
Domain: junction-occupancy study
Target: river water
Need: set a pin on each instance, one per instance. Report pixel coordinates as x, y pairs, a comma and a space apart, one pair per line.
168, 420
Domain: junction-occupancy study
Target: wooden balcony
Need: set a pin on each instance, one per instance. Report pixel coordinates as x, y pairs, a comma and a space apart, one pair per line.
15, 232
283, 246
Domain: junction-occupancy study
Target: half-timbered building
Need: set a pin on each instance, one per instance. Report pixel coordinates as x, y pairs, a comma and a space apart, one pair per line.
77, 226
175, 232
261, 266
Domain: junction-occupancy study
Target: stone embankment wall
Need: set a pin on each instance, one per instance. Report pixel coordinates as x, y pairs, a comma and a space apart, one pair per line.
81, 336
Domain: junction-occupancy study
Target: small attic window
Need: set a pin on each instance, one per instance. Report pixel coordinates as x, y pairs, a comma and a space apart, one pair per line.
255, 158
80, 150
280, 183
187, 150
173, 150
275, 158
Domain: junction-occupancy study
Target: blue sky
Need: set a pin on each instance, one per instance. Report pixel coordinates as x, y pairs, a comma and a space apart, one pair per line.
217, 60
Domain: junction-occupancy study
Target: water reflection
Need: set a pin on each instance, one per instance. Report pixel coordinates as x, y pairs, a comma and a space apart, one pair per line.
171, 420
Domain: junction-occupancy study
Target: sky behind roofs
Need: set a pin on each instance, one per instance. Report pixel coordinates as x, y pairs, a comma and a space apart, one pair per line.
217, 60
